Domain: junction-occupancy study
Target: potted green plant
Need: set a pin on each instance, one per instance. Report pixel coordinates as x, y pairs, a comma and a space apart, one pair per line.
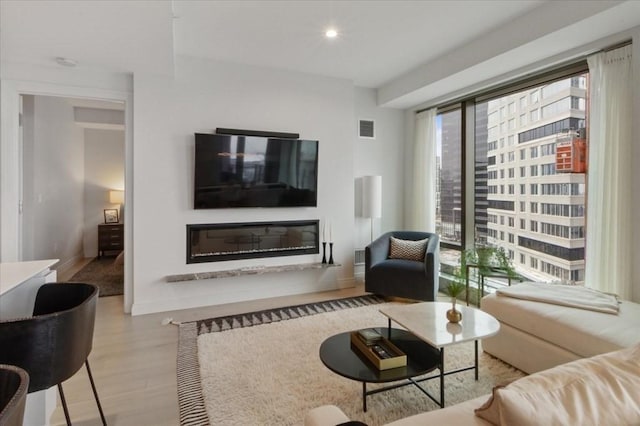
454, 289
488, 260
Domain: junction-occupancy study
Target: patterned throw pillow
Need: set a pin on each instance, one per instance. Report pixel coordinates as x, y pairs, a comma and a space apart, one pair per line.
407, 249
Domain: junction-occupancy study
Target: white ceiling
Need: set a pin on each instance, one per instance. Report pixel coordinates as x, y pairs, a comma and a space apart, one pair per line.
378, 40
410, 50
121, 36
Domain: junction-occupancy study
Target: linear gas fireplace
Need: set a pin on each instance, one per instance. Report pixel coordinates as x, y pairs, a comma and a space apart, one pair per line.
231, 241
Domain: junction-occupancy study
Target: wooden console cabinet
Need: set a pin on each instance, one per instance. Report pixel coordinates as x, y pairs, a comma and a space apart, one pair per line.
110, 237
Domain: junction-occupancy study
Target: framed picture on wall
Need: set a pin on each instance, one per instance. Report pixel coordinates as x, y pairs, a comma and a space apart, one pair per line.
110, 215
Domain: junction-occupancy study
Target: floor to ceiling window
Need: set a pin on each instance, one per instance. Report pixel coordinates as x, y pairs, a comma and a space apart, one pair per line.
528, 176
534, 140
449, 177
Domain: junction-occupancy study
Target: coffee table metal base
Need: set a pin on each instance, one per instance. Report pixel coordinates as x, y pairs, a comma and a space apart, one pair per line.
442, 373
409, 381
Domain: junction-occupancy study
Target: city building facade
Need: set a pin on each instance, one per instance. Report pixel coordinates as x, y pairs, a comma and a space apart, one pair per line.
529, 178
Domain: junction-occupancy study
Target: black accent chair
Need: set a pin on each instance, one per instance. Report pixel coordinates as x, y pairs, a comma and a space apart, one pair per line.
53, 344
399, 277
14, 382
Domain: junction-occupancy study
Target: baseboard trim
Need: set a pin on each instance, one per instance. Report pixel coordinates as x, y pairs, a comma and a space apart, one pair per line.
349, 282
175, 304
62, 268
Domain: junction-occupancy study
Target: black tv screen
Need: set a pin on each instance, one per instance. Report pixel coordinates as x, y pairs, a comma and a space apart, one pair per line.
251, 171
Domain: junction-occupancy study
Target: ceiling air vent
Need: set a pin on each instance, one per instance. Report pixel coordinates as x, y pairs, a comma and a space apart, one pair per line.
366, 129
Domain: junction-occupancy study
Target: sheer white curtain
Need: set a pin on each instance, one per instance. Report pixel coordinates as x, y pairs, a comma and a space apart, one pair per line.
423, 206
608, 260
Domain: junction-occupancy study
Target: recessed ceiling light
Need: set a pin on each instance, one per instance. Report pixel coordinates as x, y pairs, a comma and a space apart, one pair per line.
66, 62
331, 33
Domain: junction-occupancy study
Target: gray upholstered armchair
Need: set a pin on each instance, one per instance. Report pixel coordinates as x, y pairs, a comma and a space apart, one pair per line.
401, 277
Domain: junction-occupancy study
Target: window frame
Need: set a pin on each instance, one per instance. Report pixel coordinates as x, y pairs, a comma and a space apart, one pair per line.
463, 116
467, 105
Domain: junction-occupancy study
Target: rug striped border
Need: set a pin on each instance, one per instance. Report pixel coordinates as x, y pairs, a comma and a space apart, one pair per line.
190, 398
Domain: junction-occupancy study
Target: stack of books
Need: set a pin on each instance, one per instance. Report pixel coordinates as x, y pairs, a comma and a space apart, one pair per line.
369, 336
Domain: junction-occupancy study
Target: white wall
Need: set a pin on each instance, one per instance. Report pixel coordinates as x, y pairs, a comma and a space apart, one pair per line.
54, 162
206, 95
87, 77
104, 171
382, 156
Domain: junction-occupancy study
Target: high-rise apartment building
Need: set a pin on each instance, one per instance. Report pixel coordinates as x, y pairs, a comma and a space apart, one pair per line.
450, 194
481, 201
535, 211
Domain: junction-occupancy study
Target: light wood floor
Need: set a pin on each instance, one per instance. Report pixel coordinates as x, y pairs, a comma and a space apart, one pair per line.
134, 361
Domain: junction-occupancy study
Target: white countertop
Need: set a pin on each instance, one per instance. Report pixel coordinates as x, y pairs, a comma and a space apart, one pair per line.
13, 274
428, 321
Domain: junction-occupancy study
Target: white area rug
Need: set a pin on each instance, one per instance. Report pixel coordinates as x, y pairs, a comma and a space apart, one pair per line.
271, 374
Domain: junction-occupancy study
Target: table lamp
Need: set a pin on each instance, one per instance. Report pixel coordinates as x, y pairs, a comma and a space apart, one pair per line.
117, 197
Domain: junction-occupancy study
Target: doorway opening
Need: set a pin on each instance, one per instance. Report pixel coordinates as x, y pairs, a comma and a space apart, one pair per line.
72, 187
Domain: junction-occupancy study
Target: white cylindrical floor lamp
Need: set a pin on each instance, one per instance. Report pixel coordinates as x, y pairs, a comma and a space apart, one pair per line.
372, 198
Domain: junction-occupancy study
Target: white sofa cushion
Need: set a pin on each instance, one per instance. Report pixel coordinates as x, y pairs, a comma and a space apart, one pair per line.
325, 415
455, 415
585, 333
601, 390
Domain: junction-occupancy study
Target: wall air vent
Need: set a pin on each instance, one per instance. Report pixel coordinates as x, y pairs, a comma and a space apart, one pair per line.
359, 257
366, 129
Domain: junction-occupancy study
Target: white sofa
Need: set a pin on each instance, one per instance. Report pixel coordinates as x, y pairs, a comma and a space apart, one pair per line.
455, 415
600, 390
535, 336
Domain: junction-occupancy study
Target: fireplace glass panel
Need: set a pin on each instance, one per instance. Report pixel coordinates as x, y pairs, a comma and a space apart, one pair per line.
217, 242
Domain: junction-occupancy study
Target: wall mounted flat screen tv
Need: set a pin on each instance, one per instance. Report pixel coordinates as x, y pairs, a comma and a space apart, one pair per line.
251, 171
